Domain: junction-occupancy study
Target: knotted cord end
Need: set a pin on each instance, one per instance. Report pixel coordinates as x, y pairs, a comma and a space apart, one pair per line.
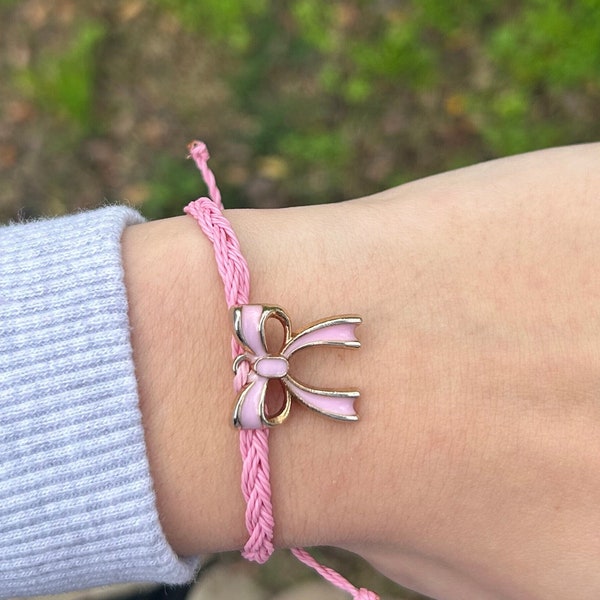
198, 151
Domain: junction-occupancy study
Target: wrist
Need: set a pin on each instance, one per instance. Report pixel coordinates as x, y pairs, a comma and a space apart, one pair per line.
181, 339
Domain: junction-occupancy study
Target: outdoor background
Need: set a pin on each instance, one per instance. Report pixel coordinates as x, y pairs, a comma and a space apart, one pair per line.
300, 101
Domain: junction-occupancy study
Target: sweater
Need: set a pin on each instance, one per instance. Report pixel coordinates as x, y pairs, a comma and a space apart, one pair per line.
77, 506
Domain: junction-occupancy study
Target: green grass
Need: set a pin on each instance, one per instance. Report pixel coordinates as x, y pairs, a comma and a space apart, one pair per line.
63, 83
347, 97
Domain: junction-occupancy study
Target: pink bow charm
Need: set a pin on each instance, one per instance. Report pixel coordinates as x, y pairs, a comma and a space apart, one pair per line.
249, 322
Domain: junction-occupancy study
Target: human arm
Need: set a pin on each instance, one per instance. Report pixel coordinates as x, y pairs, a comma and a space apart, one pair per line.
77, 508
473, 470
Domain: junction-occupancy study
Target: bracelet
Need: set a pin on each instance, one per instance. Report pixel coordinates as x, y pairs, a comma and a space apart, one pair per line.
254, 366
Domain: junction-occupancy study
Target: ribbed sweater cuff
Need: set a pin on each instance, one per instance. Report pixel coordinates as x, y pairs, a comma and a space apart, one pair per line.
77, 507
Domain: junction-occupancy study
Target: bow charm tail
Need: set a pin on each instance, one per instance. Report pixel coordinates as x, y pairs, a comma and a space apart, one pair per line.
249, 323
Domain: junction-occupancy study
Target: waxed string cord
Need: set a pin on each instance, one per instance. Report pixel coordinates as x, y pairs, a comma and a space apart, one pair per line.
254, 443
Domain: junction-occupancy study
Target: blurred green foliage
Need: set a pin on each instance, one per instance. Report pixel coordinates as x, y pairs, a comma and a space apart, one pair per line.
552, 43
352, 56
63, 83
325, 100
549, 49
223, 20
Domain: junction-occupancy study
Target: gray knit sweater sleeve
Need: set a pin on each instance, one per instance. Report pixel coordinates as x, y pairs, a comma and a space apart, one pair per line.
77, 507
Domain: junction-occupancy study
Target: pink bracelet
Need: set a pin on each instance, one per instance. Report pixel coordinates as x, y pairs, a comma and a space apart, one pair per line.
254, 366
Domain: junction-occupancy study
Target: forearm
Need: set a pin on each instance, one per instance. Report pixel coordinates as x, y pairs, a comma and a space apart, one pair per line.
77, 507
478, 374
181, 336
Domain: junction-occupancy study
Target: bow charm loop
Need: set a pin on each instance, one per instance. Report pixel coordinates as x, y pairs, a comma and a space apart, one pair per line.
249, 321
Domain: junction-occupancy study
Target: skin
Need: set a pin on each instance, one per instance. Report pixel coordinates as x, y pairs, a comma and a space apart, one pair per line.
474, 469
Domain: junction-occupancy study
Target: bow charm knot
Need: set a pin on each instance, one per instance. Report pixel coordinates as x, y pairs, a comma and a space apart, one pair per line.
249, 321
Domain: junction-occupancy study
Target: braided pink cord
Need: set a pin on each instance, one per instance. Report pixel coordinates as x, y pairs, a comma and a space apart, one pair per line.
333, 576
254, 443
